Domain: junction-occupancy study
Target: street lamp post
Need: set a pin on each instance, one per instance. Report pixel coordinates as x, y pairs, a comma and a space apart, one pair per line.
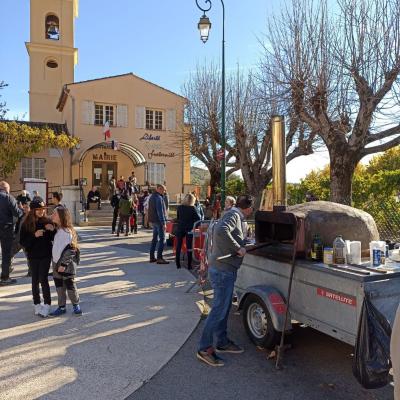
204, 28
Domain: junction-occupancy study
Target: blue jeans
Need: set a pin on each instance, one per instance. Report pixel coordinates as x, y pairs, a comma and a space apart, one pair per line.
222, 283
158, 237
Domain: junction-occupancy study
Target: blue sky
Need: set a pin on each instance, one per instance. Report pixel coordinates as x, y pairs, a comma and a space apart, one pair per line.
155, 39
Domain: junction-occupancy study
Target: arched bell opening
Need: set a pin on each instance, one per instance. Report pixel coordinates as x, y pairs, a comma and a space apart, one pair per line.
52, 27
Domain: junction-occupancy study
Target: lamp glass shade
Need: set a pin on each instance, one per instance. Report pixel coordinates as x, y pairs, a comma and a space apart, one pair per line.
204, 28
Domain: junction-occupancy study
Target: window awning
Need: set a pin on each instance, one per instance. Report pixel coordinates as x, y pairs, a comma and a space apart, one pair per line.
134, 154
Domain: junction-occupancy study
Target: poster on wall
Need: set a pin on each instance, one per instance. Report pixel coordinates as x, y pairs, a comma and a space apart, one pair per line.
40, 185
97, 172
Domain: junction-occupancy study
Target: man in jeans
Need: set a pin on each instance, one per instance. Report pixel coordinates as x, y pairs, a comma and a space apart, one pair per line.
9, 213
227, 252
158, 218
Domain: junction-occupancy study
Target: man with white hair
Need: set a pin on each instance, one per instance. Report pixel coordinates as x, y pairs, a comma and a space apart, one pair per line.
23, 198
9, 213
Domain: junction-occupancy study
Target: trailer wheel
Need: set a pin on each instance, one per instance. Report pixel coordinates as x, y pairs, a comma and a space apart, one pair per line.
258, 323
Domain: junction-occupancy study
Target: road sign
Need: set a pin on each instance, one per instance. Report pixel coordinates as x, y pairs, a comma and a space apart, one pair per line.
220, 154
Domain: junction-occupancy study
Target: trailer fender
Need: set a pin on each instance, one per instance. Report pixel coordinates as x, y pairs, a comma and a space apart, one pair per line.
273, 300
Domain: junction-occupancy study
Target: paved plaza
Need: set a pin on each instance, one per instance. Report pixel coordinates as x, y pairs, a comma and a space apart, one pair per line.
136, 317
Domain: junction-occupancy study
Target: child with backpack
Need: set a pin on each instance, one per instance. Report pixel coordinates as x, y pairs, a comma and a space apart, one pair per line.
65, 257
125, 211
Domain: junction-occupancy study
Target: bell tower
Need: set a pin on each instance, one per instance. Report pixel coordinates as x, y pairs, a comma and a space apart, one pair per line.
52, 55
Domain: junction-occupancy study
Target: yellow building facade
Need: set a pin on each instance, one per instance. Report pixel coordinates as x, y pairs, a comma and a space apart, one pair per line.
146, 121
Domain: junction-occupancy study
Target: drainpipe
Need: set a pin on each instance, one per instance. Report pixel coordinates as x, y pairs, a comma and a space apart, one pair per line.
67, 92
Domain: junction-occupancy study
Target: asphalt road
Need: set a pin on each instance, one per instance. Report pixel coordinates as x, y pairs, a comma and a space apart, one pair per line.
316, 368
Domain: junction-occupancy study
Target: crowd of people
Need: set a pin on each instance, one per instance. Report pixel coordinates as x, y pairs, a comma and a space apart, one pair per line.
49, 241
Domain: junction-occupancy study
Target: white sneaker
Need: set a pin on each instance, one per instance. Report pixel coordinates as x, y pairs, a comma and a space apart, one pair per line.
45, 311
38, 309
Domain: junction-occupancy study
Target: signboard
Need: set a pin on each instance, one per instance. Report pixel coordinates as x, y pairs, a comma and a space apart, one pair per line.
40, 185
220, 154
337, 296
104, 157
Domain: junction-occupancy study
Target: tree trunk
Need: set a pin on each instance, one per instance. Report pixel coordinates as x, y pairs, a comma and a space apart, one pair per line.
342, 166
215, 180
257, 199
256, 189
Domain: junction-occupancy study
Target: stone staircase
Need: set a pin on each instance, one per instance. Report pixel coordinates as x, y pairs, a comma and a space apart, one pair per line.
101, 217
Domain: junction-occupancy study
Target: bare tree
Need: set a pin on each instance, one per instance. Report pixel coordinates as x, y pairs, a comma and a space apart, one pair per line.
251, 108
203, 114
340, 72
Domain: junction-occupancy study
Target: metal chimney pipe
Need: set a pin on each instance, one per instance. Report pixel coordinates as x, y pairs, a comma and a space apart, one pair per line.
279, 161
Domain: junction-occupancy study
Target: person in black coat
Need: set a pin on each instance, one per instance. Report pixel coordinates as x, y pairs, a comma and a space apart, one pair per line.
36, 237
187, 215
23, 198
9, 213
115, 205
94, 197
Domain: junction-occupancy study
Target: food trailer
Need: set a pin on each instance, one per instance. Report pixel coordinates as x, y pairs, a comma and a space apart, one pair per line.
277, 282
327, 298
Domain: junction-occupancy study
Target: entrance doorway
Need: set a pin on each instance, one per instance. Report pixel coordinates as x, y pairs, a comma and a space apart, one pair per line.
102, 172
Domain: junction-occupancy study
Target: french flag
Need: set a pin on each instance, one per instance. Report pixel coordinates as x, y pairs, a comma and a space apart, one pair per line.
106, 131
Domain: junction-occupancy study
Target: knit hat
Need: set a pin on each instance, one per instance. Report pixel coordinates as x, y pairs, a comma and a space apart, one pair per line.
37, 203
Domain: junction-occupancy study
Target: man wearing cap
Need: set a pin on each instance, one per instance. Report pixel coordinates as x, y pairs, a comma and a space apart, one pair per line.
9, 213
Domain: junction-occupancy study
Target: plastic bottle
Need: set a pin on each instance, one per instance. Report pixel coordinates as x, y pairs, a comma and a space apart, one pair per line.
377, 250
317, 248
339, 250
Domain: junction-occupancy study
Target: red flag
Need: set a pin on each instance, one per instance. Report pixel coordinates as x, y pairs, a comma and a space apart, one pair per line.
106, 130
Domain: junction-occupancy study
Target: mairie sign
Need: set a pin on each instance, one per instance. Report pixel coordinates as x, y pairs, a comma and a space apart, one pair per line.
104, 157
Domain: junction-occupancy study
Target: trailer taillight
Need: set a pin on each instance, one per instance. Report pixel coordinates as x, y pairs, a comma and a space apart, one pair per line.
277, 303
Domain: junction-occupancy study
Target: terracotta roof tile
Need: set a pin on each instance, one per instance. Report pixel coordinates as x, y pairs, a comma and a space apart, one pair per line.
57, 128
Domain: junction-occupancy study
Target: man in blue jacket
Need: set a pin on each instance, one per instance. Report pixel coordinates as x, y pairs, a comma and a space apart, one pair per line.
9, 213
158, 218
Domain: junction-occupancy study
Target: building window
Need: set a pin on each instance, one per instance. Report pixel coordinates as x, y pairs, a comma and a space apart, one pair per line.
104, 113
99, 114
155, 173
52, 27
33, 168
109, 111
154, 119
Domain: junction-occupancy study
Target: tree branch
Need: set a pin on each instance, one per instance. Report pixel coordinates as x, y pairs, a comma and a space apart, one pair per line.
382, 147
382, 135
